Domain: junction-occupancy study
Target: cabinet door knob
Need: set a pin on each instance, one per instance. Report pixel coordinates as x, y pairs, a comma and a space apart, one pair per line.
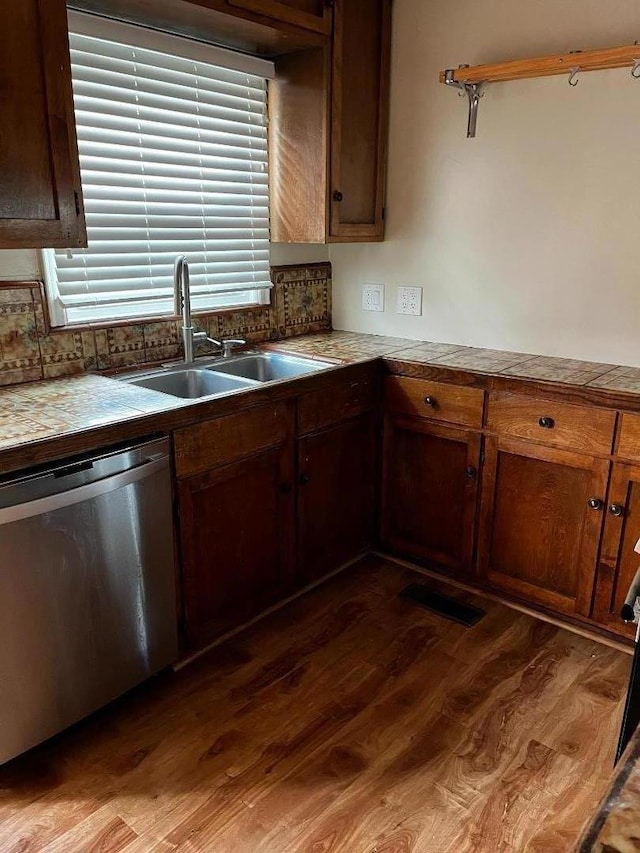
616, 509
470, 472
337, 195
596, 503
547, 423
430, 401
304, 479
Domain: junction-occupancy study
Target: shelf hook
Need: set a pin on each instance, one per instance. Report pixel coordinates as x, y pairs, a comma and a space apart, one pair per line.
635, 71
573, 73
474, 92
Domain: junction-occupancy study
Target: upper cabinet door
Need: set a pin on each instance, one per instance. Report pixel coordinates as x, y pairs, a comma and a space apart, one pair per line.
309, 14
40, 197
359, 118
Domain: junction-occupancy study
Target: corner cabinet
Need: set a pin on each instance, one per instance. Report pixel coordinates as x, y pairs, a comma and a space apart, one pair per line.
359, 119
328, 131
430, 490
40, 194
336, 495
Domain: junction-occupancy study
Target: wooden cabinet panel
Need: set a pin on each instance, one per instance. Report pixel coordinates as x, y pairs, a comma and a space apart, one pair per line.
40, 195
429, 492
336, 496
560, 424
434, 400
215, 442
328, 131
539, 536
344, 399
629, 437
618, 560
308, 14
237, 526
359, 117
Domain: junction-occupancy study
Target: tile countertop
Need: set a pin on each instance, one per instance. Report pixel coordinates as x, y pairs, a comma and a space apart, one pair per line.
48, 409
616, 826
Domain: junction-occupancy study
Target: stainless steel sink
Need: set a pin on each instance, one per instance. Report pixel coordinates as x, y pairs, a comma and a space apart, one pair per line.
190, 383
267, 366
219, 376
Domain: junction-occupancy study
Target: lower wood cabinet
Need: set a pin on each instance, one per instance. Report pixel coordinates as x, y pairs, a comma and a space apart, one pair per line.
336, 495
429, 491
237, 529
541, 520
618, 560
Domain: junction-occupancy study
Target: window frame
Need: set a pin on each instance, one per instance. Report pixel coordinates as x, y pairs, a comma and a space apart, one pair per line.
183, 47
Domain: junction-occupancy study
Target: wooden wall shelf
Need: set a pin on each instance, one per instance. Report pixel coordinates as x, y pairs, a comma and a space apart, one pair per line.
470, 79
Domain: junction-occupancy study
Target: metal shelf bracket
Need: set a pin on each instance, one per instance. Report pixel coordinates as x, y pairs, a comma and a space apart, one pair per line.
473, 91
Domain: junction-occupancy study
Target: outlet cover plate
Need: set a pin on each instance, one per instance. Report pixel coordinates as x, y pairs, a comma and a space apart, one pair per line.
410, 300
373, 297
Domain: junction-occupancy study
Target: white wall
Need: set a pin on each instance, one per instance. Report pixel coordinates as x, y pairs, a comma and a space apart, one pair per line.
527, 237
19, 265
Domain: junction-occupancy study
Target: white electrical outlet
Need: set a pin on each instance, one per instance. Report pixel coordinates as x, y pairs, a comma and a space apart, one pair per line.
409, 300
373, 297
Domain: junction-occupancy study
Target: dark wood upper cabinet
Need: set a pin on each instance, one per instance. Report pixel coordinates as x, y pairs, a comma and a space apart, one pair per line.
308, 14
40, 194
429, 492
237, 527
359, 118
336, 496
541, 520
618, 560
328, 132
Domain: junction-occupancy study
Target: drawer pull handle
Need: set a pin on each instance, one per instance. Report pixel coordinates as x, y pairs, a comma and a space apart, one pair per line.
547, 423
430, 401
470, 472
616, 509
596, 503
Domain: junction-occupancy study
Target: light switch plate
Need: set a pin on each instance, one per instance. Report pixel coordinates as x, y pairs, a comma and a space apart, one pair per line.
409, 300
373, 297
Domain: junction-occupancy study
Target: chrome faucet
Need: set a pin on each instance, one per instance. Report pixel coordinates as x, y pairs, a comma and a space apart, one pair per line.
182, 305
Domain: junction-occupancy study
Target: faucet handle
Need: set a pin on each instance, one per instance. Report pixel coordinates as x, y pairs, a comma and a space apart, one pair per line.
229, 343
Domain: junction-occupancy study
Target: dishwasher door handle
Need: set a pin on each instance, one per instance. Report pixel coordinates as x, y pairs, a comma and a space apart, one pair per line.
40, 506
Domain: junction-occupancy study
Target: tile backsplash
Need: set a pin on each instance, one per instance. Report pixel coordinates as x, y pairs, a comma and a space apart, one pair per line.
31, 350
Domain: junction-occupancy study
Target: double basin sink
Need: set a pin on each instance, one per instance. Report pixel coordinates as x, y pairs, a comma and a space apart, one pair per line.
224, 375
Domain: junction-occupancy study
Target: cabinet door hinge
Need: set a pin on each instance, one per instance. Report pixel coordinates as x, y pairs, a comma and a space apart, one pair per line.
384, 212
76, 196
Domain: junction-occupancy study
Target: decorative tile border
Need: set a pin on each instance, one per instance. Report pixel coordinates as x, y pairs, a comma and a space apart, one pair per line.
30, 349
303, 303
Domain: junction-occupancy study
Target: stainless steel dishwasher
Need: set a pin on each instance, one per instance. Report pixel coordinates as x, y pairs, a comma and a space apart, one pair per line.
87, 587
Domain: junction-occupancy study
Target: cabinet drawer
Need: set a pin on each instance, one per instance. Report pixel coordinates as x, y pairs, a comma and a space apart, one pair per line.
550, 422
328, 405
216, 442
437, 401
629, 438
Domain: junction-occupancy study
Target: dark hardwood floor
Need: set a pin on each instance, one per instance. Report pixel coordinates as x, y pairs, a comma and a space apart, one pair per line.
349, 721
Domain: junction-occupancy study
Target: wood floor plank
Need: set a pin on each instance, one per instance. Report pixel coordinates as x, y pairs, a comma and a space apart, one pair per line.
351, 721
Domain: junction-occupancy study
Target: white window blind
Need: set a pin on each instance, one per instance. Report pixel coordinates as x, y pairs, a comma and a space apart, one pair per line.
173, 157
